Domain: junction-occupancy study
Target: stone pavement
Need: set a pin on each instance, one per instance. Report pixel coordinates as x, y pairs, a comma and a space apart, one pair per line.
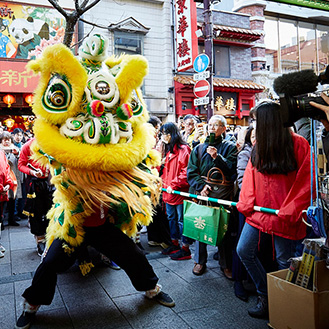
106, 298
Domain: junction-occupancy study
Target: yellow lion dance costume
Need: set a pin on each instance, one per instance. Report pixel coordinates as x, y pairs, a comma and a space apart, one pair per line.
91, 129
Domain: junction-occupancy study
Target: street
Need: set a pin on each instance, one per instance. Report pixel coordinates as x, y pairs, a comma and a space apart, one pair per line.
106, 298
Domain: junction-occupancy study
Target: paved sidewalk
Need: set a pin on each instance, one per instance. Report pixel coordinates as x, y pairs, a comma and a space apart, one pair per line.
106, 298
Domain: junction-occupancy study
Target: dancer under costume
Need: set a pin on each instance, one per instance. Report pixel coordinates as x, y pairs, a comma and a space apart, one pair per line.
38, 195
92, 132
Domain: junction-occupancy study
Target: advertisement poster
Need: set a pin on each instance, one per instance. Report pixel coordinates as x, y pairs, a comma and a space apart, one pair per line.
26, 30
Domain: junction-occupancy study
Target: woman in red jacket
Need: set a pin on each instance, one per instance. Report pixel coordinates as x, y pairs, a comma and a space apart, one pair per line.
6, 183
278, 177
177, 154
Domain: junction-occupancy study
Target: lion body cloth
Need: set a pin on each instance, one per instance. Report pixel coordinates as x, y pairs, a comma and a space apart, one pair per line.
91, 130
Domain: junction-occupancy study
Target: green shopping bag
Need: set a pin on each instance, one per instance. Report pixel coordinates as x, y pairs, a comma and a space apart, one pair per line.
205, 224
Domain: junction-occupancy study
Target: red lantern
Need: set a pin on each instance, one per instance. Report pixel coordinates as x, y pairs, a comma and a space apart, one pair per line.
9, 99
29, 99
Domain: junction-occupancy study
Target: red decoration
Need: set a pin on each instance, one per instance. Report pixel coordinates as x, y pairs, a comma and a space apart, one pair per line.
9, 99
29, 99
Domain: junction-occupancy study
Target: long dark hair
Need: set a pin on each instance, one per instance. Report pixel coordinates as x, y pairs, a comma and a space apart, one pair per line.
176, 138
247, 137
274, 149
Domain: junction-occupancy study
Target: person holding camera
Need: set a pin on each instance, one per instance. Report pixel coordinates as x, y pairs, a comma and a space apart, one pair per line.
325, 132
278, 177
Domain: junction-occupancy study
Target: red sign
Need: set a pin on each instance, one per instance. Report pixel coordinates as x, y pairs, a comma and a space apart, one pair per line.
186, 40
14, 77
201, 88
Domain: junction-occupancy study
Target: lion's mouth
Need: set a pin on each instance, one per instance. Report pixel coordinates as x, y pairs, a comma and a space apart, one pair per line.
105, 129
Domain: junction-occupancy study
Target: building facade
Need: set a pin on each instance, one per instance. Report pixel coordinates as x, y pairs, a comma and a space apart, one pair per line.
295, 38
143, 27
234, 91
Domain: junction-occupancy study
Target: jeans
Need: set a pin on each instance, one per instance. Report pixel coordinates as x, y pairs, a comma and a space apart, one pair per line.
247, 251
175, 218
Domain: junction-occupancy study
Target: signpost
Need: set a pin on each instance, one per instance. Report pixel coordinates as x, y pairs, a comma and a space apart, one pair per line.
201, 88
201, 76
201, 101
201, 62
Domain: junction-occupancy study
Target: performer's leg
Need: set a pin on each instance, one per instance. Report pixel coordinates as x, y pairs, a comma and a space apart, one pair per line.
113, 243
56, 260
44, 281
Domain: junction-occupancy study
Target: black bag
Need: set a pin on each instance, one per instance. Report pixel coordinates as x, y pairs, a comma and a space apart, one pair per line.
220, 187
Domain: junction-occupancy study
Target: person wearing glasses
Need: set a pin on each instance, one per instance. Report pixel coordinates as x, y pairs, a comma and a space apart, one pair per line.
214, 152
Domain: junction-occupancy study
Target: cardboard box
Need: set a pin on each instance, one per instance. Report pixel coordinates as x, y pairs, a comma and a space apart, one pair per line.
294, 307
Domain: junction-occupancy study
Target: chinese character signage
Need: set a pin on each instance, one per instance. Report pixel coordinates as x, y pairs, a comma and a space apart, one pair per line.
186, 40
15, 78
226, 103
26, 30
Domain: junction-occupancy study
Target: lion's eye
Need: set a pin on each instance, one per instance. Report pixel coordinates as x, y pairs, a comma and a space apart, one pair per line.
58, 94
57, 98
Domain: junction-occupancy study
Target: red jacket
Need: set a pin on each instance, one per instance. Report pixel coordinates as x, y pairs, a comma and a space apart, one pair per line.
289, 193
24, 160
5, 178
174, 174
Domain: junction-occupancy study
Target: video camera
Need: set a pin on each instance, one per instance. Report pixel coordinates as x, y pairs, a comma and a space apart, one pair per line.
295, 92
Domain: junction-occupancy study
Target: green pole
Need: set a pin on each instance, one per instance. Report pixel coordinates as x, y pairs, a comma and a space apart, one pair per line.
223, 202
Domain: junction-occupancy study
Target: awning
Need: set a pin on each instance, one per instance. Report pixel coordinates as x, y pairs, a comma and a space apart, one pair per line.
224, 83
234, 33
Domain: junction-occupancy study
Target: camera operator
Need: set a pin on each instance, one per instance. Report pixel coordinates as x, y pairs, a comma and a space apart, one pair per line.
325, 133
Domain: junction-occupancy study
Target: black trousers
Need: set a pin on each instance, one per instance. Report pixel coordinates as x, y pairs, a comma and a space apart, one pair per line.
158, 230
40, 205
108, 240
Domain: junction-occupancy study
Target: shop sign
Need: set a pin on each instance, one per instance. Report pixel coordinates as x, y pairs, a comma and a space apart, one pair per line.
226, 103
14, 77
186, 41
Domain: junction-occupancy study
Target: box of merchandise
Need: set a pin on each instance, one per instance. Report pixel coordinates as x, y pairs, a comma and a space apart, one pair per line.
294, 307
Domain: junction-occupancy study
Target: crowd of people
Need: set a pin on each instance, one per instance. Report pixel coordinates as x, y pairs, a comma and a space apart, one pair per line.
26, 189
264, 164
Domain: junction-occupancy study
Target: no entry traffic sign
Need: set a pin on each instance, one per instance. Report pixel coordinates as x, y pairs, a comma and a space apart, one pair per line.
201, 88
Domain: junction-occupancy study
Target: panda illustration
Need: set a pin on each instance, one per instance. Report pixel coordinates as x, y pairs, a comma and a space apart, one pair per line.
28, 34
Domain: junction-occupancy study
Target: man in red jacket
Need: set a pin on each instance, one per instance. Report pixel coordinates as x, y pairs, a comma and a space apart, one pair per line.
38, 195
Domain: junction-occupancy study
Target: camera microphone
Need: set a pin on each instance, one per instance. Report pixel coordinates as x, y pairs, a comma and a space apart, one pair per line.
293, 89
296, 83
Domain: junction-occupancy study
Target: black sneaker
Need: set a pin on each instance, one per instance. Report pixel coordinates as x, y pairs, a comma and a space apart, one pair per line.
181, 255
41, 248
25, 320
164, 299
261, 309
170, 250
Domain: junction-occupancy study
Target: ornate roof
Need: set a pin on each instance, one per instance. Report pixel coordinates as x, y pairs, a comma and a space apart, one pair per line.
234, 33
223, 83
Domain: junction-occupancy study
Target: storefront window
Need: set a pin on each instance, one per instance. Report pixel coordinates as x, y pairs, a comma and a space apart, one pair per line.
307, 46
221, 60
323, 46
272, 45
288, 46
128, 43
293, 46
